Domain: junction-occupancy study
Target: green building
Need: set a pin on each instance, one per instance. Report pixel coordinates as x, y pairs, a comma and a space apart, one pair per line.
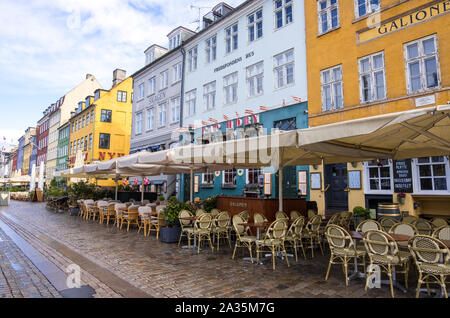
62, 161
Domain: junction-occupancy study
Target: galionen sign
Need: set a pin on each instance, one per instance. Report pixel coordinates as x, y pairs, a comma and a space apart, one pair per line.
413, 17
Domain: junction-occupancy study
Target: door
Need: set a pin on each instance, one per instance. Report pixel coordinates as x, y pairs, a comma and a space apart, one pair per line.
336, 197
289, 183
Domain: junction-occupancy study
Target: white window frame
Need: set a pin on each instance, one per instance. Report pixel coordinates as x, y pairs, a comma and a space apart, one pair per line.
141, 89
209, 96
152, 85
192, 59
285, 4
139, 125
162, 115
369, 10
191, 101
254, 25
122, 96
330, 7
253, 78
177, 72
421, 59
204, 179
332, 84
416, 178
368, 190
232, 171
231, 38
150, 119
230, 87
247, 178
371, 73
283, 67
175, 104
211, 49
164, 79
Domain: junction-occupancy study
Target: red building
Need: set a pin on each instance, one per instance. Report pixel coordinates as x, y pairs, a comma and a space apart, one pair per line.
42, 138
14, 164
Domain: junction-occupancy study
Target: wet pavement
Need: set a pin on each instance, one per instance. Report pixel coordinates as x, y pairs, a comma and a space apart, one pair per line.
120, 264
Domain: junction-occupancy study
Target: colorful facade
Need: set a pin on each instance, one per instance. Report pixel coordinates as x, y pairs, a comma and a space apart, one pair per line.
63, 147
101, 126
367, 58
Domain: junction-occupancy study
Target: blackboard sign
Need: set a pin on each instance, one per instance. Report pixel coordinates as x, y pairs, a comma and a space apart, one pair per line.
403, 176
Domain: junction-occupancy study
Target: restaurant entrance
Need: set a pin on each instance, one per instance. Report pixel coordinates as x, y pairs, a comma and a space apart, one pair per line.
336, 198
290, 190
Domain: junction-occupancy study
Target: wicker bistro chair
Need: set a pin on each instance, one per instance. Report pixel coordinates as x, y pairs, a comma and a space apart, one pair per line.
144, 217
222, 228
442, 233
200, 212
215, 213
409, 219
102, 210
88, 206
243, 237
93, 211
383, 251
273, 241
157, 222
342, 248
203, 230
259, 218
187, 227
312, 233
432, 261
368, 225
423, 227
439, 222
111, 212
311, 213
387, 223
131, 217
119, 213
345, 220
295, 215
245, 215
334, 219
404, 229
294, 236
281, 215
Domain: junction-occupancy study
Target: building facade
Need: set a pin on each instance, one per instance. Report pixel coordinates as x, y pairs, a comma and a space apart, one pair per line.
29, 155
42, 140
23, 157
246, 70
157, 103
100, 128
63, 147
367, 58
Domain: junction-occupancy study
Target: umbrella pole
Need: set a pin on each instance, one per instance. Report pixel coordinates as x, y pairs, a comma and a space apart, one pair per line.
192, 186
142, 190
280, 189
117, 189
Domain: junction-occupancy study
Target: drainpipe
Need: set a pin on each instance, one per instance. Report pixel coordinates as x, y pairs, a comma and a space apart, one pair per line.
183, 75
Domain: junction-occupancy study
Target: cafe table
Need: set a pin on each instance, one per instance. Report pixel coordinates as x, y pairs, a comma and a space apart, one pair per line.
190, 218
357, 274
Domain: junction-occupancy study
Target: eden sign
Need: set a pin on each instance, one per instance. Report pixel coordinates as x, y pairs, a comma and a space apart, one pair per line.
233, 124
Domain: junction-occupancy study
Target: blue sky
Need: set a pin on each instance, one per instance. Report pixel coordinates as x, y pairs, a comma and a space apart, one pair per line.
48, 46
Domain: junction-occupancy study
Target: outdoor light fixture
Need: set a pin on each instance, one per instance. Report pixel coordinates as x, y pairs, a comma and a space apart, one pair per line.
354, 164
315, 167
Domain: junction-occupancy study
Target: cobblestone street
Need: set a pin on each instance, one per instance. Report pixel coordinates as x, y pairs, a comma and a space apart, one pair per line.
120, 264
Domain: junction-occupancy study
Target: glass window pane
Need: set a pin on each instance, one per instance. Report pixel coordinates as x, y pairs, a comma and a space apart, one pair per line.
379, 82
431, 72
365, 65
413, 51
323, 18
439, 170
425, 171
334, 18
424, 160
385, 172
374, 185
426, 184
326, 77
414, 72
386, 184
440, 184
373, 173
428, 46
437, 159
378, 61
337, 74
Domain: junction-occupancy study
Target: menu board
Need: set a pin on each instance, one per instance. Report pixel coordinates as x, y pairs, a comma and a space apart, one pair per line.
403, 176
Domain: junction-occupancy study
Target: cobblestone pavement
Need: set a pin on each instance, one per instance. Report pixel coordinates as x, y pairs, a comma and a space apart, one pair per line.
165, 270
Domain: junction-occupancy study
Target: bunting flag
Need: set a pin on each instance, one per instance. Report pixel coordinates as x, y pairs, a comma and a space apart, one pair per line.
226, 117
249, 112
204, 123
146, 181
297, 99
125, 182
237, 115
263, 108
136, 181
213, 120
284, 102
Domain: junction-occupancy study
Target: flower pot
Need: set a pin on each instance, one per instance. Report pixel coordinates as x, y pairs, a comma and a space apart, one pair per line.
5, 198
170, 234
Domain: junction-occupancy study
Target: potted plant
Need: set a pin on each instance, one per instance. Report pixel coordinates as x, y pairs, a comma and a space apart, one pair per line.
171, 231
360, 214
401, 198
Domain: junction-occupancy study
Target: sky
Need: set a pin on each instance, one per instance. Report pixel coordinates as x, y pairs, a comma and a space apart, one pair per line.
48, 46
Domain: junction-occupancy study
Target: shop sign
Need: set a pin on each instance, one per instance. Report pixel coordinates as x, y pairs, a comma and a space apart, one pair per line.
232, 124
111, 155
422, 14
403, 176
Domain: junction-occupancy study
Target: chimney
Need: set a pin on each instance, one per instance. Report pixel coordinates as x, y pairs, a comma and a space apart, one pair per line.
89, 76
118, 76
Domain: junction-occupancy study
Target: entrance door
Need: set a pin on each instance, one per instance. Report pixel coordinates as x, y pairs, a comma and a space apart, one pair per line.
187, 187
336, 198
289, 183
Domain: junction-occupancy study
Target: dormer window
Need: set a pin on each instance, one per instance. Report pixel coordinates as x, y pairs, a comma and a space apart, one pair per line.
88, 102
80, 107
96, 95
150, 57
174, 41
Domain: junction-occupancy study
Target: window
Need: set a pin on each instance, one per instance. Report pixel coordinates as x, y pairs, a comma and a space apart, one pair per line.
255, 78
208, 178
76, 125
104, 141
190, 102
433, 174
379, 175
254, 176
85, 143
331, 80
363, 7
286, 124
209, 95
79, 124
372, 79
106, 116
162, 115
231, 38
73, 127
83, 121
164, 79
211, 49
230, 86
122, 96
177, 72
96, 95
87, 119
92, 116
174, 41
141, 91
152, 85
328, 15
255, 26
229, 177
138, 123
284, 69
90, 141
192, 59
422, 64
71, 148
283, 13
150, 118
81, 144
175, 109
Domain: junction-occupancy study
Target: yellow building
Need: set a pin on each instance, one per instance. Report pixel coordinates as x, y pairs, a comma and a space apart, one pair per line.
367, 58
101, 126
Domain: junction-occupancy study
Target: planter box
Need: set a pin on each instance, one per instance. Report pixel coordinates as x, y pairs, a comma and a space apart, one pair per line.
5, 198
170, 234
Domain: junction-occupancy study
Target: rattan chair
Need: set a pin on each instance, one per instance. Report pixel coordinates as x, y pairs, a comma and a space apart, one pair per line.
222, 228
144, 218
387, 223
118, 207
345, 220
187, 227
334, 219
259, 218
203, 230
423, 226
245, 215
243, 237
383, 251
295, 215
312, 233
404, 229
111, 212
367, 225
343, 249
409, 219
200, 212
273, 241
294, 236
131, 217
281, 215
311, 213
439, 222
157, 221
442, 233
215, 213
102, 207
432, 261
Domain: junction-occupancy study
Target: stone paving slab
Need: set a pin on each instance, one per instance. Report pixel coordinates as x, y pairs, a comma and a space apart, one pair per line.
164, 270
